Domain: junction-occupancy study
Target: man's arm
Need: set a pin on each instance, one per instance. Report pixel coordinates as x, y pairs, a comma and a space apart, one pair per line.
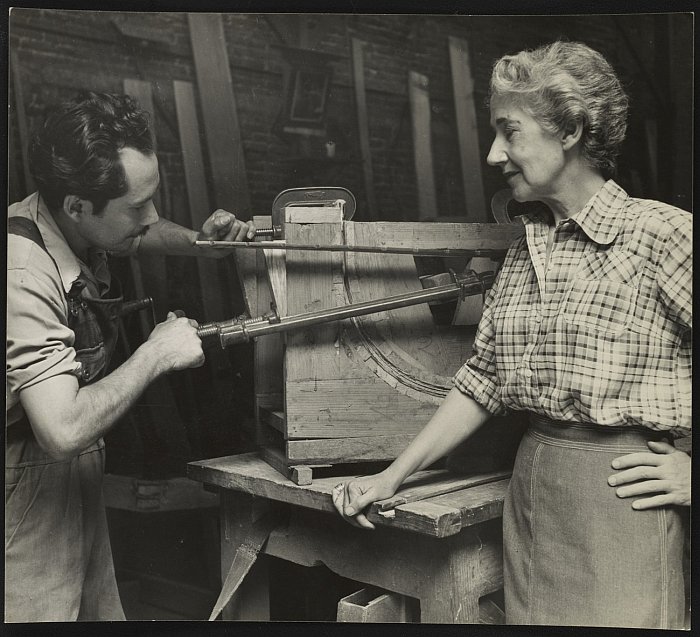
66, 419
166, 237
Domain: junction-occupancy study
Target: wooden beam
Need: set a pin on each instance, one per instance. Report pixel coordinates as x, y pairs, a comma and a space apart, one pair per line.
358, 70
467, 130
419, 100
210, 282
219, 111
224, 142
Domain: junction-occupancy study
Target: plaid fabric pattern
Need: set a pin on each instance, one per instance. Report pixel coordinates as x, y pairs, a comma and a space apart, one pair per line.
602, 333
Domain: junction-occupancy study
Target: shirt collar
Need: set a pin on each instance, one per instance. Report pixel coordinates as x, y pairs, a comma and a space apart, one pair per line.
602, 216
68, 264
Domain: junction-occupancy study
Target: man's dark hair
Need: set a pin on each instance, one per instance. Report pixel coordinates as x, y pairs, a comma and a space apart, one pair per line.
76, 150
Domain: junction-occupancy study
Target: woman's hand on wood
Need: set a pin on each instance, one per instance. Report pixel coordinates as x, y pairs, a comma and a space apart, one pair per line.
353, 498
661, 476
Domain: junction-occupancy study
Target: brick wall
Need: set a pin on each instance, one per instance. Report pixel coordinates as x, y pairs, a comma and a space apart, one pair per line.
60, 52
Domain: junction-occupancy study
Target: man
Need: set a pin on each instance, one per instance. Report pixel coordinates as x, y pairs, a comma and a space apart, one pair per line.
97, 175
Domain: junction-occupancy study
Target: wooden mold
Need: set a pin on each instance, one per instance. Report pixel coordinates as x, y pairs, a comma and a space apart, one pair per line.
356, 390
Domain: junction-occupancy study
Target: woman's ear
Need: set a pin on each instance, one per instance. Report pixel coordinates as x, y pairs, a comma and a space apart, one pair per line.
571, 134
75, 207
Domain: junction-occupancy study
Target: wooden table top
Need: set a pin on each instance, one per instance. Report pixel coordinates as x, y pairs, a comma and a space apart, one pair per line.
436, 516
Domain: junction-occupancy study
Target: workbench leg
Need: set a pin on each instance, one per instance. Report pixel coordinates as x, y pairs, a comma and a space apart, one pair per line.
450, 595
251, 601
447, 575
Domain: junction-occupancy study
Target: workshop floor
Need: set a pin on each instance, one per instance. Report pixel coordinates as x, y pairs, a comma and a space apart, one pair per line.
136, 609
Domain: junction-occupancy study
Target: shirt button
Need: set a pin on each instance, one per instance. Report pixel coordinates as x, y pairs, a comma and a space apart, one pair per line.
527, 373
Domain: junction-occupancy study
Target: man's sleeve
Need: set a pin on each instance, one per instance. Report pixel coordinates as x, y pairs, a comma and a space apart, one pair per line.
39, 343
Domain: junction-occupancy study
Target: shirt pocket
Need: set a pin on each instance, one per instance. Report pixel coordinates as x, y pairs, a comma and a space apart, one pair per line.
600, 306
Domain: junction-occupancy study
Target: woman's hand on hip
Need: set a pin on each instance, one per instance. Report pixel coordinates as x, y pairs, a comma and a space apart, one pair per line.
660, 476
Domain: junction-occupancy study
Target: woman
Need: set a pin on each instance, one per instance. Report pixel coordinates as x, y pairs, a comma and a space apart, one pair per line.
587, 328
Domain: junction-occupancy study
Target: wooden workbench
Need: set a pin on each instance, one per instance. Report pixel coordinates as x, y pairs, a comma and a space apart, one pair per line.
445, 551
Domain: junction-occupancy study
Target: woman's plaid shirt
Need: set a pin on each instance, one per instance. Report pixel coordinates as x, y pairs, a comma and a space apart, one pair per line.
603, 334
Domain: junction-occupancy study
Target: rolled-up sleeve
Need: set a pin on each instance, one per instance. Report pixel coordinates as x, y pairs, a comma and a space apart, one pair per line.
39, 343
477, 378
675, 272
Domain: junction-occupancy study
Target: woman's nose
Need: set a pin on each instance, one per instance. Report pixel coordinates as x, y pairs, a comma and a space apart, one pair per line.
496, 154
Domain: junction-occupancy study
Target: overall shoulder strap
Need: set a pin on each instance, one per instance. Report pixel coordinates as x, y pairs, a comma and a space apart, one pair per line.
26, 228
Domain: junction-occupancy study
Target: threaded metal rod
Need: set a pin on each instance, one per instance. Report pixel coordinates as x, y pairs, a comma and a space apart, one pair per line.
236, 331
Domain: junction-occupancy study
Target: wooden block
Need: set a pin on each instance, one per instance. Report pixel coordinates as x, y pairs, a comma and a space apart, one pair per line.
298, 474
308, 213
369, 605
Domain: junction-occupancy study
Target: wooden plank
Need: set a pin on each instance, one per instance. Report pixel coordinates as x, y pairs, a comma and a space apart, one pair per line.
210, 283
467, 130
339, 450
447, 514
310, 353
419, 100
357, 407
17, 87
267, 350
251, 474
219, 111
468, 236
432, 487
358, 72
222, 129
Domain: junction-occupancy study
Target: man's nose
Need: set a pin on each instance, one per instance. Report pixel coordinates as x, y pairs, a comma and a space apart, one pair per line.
150, 215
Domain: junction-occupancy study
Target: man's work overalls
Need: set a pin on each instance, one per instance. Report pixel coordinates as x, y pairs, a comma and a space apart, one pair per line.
58, 559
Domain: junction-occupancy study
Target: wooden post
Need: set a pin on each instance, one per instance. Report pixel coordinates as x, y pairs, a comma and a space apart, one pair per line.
422, 144
358, 70
467, 131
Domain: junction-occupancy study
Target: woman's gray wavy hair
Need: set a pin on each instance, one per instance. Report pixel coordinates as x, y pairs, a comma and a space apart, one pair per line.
564, 83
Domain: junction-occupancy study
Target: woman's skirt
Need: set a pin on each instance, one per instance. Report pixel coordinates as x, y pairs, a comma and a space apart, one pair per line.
575, 554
